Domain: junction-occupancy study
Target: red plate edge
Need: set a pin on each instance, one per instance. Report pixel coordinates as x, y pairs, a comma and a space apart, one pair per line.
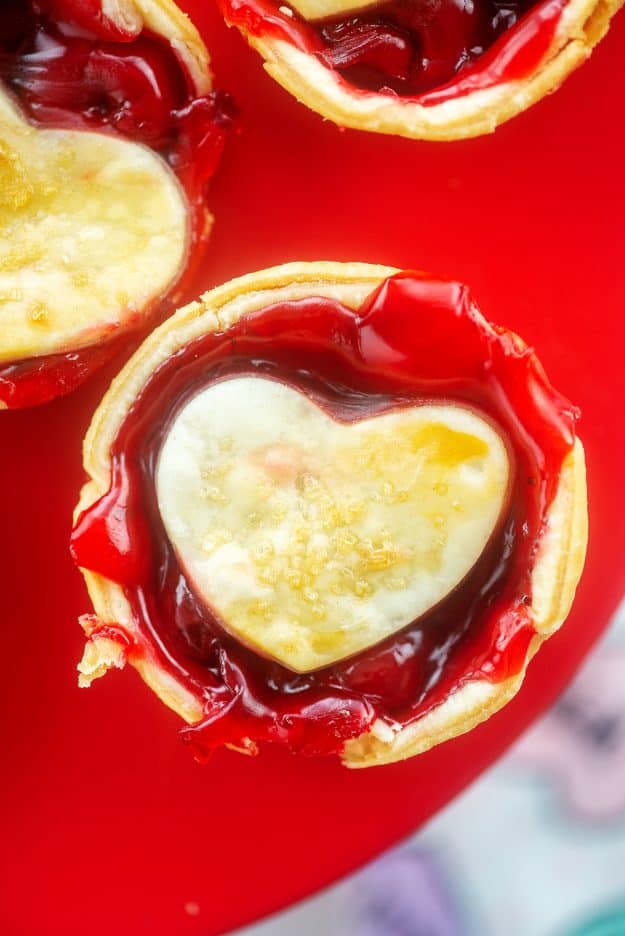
107, 821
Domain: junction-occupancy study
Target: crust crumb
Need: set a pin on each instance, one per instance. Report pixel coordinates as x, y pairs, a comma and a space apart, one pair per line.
106, 647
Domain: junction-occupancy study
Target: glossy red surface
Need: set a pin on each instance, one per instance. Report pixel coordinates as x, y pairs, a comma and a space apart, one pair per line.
402, 48
108, 824
38, 380
414, 340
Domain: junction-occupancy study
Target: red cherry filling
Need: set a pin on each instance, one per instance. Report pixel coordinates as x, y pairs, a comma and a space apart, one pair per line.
126, 87
413, 340
88, 15
38, 380
103, 79
439, 38
355, 48
71, 67
431, 50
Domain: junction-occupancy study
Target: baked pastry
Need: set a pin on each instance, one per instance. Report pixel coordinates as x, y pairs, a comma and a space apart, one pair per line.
330, 506
430, 70
109, 133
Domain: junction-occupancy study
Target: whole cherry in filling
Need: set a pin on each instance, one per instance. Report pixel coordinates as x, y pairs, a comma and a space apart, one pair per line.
413, 46
429, 49
278, 488
70, 67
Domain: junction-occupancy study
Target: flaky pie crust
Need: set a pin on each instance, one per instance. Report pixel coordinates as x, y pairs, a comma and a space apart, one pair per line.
582, 24
554, 579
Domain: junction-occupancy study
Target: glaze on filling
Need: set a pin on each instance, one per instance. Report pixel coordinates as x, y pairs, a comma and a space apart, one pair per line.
414, 340
71, 68
39, 380
430, 50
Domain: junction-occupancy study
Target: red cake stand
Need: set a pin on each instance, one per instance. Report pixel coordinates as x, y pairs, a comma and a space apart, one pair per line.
108, 824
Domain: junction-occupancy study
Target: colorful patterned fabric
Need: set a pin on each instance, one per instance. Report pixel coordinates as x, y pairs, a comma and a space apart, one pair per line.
535, 848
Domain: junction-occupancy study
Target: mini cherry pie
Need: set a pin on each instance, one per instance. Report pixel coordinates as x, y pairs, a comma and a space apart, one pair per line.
430, 69
109, 133
330, 506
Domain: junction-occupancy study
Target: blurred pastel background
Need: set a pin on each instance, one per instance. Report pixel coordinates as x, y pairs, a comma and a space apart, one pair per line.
535, 848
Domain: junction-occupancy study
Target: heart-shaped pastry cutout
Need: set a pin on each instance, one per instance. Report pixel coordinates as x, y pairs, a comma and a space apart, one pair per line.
95, 228
312, 538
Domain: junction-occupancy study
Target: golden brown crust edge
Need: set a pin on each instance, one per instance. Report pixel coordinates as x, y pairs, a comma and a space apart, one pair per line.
582, 25
166, 19
555, 576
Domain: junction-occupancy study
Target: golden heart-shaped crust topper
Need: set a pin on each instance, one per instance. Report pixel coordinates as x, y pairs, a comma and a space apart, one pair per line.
96, 227
313, 539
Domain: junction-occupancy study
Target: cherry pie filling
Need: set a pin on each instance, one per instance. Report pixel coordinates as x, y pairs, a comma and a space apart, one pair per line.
427, 50
71, 68
414, 341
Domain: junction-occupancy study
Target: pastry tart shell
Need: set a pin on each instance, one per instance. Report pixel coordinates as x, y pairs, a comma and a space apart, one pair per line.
582, 24
112, 638
65, 303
